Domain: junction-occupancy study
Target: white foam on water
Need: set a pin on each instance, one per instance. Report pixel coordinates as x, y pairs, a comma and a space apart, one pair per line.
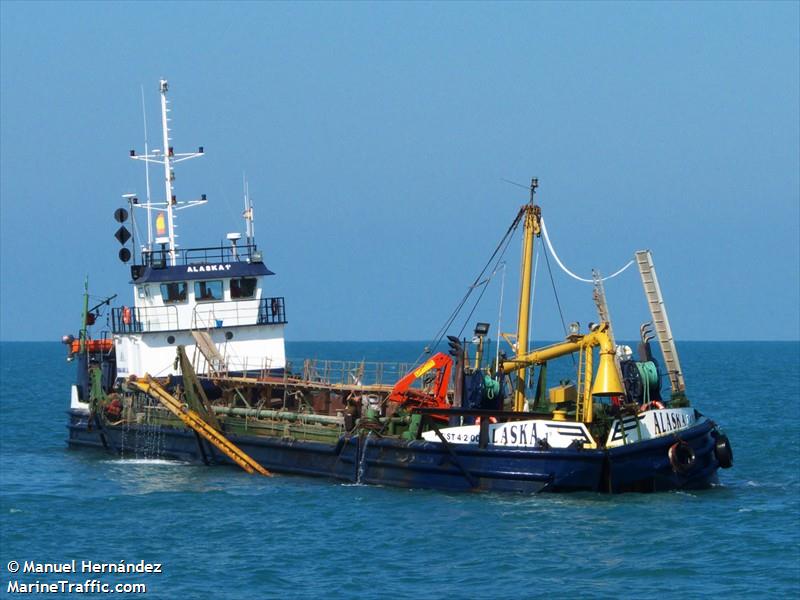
684, 493
145, 461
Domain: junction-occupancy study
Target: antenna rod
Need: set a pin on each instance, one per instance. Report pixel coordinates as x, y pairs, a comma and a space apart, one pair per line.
245, 214
500, 320
167, 171
133, 227
147, 179
248, 212
251, 218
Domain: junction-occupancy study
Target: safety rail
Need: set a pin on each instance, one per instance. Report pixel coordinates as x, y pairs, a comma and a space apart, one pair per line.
262, 366
210, 254
206, 315
340, 372
267, 311
131, 319
272, 311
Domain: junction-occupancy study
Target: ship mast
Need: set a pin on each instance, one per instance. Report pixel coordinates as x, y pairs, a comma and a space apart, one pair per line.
168, 158
169, 174
531, 230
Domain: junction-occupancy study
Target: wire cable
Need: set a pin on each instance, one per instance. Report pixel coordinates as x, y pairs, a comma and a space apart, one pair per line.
505, 240
555, 293
570, 273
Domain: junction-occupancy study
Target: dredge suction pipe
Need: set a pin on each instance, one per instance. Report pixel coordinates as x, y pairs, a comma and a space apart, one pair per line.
194, 421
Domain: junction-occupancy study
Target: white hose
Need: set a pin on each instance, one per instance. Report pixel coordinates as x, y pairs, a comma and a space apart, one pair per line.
565, 269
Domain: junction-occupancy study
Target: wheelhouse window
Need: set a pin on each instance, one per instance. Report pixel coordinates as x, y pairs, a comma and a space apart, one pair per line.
243, 287
173, 292
208, 290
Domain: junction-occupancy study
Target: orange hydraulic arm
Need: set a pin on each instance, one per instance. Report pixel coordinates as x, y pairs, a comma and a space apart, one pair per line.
403, 394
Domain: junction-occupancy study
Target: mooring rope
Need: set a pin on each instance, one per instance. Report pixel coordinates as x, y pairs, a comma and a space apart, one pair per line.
566, 270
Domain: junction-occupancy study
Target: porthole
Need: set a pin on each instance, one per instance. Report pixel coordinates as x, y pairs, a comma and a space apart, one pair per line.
228, 335
170, 339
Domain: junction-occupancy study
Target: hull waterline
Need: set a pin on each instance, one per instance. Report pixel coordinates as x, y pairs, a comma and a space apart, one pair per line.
368, 459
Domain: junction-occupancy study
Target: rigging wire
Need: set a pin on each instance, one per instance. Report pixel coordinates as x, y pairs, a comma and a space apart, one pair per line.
485, 287
147, 177
500, 318
555, 293
533, 292
506, 238
135, 230
533, 288
525, 187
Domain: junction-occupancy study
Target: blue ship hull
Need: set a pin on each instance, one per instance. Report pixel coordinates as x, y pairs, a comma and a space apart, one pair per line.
642, 466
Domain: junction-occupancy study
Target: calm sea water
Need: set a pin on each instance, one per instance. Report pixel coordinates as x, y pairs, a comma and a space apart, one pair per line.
223, 534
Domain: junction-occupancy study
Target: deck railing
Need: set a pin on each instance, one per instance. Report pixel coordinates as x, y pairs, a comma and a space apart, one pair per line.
210, 254
342, 372
144, 319
205, 315
267, 311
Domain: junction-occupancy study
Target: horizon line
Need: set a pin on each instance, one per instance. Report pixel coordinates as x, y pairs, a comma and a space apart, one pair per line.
317, 341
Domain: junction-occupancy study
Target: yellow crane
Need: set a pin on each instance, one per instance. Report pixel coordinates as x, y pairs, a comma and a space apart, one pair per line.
607, 382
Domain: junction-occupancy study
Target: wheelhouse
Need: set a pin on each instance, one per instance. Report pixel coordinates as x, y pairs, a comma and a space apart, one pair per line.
206, 288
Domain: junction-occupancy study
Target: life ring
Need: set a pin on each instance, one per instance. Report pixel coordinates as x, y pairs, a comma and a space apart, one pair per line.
126, 315
652, 405
681, 457
492, 420
723, 451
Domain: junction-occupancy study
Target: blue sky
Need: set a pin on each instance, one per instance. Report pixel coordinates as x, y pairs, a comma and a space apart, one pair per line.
376, 138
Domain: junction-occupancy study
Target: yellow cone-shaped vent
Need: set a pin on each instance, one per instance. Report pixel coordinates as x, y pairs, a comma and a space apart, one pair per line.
607, 382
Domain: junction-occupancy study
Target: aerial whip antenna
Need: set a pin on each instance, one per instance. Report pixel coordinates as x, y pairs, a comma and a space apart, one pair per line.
248, 212
147, 179
500, 318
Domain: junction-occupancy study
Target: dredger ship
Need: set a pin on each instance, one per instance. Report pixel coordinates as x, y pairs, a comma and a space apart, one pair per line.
195, 369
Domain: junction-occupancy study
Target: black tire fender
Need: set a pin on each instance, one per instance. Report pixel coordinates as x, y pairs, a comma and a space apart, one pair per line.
681, 457
723, 451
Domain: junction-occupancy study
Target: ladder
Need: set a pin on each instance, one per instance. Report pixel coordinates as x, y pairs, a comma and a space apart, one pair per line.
581, 387
195, 422
652, 291
599, 297
207, 347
